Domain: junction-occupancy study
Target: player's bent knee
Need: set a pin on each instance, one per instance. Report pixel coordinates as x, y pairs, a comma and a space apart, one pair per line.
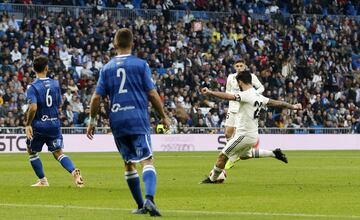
57, 153
30, 152
130, 166
228, 136
33, 154
148, 161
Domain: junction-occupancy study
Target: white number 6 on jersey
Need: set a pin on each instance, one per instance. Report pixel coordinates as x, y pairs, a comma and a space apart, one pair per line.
121, 73
48, 98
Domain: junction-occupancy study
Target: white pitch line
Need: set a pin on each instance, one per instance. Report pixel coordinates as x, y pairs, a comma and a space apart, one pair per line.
214, 155
289, 156
12, 205
183, 211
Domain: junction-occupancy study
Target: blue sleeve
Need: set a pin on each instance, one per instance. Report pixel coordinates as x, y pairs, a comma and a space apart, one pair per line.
31, 95
148, 82
100, 87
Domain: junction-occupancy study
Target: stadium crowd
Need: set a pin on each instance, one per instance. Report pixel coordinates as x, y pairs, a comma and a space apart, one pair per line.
344, 7
313, 60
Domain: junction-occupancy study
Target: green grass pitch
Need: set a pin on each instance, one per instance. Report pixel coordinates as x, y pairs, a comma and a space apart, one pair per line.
314, 185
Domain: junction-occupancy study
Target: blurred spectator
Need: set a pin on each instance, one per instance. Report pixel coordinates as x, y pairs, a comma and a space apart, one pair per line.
309, 59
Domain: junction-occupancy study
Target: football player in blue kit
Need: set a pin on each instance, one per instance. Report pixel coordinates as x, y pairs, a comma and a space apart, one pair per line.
43, 124
126, 81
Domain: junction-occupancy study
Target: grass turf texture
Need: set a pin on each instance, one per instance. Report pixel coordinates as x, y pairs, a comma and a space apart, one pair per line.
314, 185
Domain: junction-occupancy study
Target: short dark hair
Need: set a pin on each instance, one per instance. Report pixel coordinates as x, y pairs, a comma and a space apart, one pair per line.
123, 38
239, 61
40, 63
245, 77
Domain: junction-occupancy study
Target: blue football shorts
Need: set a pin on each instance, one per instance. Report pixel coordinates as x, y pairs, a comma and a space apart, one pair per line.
36, 144
134, 148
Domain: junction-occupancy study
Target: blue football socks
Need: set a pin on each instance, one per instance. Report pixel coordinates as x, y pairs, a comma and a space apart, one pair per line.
37, 165
66, 163
149, 179
133, 181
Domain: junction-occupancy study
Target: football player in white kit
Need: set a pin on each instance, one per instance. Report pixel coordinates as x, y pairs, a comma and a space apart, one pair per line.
232, 87
246, 134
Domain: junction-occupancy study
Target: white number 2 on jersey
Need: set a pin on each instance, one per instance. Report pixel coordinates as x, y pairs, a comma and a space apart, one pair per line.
48, 98
121, 73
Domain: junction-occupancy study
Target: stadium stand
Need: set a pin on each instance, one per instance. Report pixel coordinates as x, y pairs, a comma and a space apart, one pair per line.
312, 59
324, 7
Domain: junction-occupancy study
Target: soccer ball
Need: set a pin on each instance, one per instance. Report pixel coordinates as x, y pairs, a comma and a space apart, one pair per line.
221, 178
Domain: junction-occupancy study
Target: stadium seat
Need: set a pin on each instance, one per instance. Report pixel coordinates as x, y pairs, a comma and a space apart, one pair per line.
136, 3
6, 7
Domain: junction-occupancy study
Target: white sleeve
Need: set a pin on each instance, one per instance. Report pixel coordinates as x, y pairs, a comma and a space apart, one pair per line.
228, 84
257, 84
265, 100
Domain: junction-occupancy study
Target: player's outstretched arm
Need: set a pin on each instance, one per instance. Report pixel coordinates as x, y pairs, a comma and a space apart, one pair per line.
94, 108
257, 84
221, 95
281, 104
29, 118
155, 100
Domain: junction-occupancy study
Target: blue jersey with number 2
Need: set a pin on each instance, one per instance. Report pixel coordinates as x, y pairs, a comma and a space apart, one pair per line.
126, 80
46, 94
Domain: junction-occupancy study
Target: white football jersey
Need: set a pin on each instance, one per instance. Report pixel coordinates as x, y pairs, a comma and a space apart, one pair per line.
251, 102
232, 87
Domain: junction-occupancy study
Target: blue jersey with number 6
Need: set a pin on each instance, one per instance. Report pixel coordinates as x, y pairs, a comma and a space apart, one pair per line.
46, 94
126, 80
